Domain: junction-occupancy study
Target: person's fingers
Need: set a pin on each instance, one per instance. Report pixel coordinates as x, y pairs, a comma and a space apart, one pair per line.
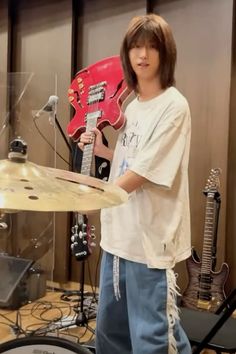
96, 131
81, 146
98, 135
86, 138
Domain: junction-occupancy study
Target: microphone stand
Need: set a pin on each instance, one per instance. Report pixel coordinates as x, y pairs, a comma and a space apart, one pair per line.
81, 319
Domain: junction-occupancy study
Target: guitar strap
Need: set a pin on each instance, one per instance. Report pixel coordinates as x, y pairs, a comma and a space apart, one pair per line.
102, 166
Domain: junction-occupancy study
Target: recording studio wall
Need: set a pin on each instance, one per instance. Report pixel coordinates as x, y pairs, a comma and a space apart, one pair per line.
230, 236
3, 68
64, 36
39, 43
203, 31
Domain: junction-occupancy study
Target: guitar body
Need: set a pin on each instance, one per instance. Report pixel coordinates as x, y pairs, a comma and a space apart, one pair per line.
98, 90
190, 296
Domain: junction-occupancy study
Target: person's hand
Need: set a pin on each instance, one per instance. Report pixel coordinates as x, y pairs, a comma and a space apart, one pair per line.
98, 143
85, 138
99, 149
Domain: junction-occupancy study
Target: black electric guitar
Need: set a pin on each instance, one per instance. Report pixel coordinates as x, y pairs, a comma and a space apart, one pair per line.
82, 234
205, 290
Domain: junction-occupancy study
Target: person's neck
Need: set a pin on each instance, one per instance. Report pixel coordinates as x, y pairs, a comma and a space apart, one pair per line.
148, 90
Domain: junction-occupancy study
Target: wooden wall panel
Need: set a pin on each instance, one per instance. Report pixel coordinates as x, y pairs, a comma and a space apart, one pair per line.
42, 33
4, 36
231, 187
203, 75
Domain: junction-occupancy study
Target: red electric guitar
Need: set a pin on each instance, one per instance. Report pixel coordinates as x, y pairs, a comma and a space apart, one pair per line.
97, 94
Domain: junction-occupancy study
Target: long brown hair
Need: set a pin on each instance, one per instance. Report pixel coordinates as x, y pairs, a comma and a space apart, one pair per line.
152, 28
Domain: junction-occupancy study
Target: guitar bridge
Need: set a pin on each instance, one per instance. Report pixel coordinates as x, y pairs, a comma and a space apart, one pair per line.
205, 305
93, 115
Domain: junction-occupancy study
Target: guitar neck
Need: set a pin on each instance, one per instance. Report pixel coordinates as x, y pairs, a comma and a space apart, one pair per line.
208, 234
87, 159
86, 165
205, 278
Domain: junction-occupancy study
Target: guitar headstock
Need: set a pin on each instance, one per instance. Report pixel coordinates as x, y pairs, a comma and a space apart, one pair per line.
213, 181
82, 238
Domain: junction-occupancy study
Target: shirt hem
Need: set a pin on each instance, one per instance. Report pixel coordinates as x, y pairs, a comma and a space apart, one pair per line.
160, 264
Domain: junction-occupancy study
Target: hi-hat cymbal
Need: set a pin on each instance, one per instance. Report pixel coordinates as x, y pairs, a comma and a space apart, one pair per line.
27, 186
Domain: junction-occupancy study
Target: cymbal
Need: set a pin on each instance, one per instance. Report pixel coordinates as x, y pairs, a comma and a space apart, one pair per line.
27, 186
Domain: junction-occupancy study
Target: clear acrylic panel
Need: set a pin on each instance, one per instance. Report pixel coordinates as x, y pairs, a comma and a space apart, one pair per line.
24, 114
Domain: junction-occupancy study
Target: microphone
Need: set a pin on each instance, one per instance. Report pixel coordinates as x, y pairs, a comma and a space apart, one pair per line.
50, 106
3, 225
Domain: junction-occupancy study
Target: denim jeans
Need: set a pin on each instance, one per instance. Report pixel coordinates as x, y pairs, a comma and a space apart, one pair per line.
138, 322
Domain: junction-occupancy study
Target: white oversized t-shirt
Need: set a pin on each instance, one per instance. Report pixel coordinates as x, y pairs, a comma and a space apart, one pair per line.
153, 226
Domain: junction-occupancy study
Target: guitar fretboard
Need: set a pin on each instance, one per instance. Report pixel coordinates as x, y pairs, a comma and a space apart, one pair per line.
208, 234
86, 165
206, 266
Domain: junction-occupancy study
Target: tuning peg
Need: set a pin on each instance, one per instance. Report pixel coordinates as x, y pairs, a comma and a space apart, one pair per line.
84, 227
73, 245
93, 236
74, 228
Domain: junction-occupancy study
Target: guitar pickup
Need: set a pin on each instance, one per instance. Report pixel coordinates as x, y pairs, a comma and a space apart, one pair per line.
98, 97
95, 90
97, 86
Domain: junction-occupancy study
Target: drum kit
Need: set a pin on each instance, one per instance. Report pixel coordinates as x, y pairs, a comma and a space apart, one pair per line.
26, 186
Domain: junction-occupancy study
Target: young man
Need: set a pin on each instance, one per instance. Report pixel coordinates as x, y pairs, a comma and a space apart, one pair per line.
144, 238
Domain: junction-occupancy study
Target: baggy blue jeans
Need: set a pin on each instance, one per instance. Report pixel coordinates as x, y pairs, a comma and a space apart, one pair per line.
137, 323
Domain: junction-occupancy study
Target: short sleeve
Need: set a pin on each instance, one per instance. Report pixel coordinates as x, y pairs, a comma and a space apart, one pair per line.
161, 152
